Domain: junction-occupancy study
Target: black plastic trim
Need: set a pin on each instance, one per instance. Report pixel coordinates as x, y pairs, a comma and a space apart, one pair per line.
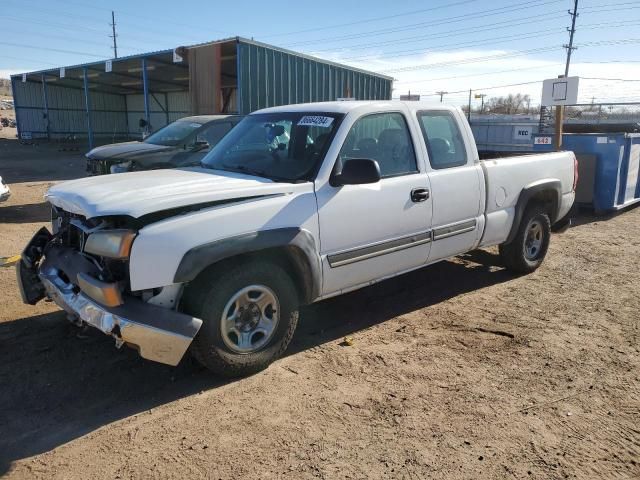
383, 248
525, 197
299, 245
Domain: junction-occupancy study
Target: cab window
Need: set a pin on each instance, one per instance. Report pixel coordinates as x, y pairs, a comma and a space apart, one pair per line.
383, 137
443, 139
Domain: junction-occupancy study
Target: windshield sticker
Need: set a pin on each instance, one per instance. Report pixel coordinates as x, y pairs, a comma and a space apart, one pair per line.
315, 121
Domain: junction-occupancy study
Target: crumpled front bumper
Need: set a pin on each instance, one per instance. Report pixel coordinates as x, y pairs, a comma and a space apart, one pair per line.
159, 334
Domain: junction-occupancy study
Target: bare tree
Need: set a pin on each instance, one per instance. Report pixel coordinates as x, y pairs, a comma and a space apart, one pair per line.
510, 104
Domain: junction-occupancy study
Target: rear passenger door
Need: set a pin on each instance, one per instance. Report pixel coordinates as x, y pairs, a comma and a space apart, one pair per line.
457, 184
372, 231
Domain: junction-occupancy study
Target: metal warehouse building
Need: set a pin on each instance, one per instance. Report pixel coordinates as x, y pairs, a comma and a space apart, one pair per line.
108, 99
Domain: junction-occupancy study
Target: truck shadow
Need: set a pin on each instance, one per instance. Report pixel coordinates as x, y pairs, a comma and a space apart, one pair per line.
27, 213
585, 215
58, 382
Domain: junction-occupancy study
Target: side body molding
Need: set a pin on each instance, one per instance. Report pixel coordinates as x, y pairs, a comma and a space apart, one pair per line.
552, 186
298, 244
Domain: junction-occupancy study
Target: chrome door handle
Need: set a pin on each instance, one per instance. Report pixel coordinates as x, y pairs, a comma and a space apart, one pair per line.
419, 194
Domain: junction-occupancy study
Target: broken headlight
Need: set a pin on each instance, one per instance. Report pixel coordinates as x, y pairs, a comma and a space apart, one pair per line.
110, 243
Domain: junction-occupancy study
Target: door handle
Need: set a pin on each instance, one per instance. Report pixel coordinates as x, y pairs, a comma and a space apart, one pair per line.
419, 194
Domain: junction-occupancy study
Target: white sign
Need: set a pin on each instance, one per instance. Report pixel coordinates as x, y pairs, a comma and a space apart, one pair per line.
176, 58
315, 121
543, 141
560, 91
62, 72
602, 140
522, 132
24, 78
108, 66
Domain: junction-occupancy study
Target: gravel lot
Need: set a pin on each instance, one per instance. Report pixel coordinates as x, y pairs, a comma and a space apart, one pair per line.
457, 371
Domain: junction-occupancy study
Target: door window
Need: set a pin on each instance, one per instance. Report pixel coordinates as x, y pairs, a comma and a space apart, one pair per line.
383, 137
443, 139
213, 133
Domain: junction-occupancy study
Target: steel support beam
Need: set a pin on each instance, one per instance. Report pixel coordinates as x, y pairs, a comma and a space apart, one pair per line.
45, 101
87, 106
145, 89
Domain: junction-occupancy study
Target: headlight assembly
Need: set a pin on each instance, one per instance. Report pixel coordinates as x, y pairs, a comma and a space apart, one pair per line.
110, 243
120, 167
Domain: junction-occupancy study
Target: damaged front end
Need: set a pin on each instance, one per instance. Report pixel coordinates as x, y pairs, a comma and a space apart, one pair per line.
83, 266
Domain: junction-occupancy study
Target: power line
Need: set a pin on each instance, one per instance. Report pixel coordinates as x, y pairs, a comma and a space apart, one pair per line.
463, 45
521, 35
550, 65
442, 21
509, 55
612, 79
449, 33
34, 47
386, 17
473, 59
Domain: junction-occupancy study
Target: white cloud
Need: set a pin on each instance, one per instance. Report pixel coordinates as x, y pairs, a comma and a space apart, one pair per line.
7, 73
498, 67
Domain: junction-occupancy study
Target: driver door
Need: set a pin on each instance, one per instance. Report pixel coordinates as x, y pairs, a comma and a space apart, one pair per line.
368, 232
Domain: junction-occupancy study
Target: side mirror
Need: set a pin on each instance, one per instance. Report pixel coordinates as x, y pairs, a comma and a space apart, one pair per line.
142, 123
357, 171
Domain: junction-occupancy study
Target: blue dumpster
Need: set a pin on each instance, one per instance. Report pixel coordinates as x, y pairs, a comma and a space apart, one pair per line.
608, 169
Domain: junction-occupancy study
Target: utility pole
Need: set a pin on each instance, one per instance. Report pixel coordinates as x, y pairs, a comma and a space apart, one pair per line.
570, 48
113, 35
442, 94
469, 112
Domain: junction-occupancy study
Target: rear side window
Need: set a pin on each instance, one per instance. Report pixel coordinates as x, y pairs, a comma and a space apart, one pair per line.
443, 138
383, 137
213, 133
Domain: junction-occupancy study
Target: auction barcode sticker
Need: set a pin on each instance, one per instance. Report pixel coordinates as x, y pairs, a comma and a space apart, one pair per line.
315, 121
543, 140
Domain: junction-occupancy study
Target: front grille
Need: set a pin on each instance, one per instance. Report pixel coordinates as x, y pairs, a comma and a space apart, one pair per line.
65, 227
93, 167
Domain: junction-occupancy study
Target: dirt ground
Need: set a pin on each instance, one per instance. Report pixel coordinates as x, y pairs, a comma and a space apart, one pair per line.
457, 371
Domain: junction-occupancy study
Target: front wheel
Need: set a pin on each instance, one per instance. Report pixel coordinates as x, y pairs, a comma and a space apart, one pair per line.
529, 247
249, 315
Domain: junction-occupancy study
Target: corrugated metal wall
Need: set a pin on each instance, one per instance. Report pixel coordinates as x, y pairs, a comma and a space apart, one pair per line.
67, 114
269, 77
164, 108
112, 116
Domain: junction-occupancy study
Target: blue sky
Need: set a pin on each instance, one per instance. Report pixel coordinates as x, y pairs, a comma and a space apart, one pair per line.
427, 46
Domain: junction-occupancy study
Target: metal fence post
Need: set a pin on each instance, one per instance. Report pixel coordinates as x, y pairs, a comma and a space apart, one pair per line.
145, 87
87, 106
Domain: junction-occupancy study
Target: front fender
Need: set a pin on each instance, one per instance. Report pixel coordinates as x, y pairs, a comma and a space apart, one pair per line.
299, 243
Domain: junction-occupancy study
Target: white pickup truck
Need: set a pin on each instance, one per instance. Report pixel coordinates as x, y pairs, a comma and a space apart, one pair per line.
296, 204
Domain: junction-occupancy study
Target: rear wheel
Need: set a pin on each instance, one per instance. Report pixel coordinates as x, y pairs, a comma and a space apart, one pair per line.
529, 247
249, 315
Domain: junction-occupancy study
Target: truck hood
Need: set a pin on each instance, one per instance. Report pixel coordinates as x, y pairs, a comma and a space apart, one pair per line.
139, 193
126, 150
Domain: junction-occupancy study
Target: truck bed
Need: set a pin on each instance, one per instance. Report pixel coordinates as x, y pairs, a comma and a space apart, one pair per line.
505, 179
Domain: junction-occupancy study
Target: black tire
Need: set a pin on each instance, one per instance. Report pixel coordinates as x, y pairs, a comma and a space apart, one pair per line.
515, 255
206, 299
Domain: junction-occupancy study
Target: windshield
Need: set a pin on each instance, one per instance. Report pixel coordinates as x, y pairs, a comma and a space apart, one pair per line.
281, 146
174, 133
